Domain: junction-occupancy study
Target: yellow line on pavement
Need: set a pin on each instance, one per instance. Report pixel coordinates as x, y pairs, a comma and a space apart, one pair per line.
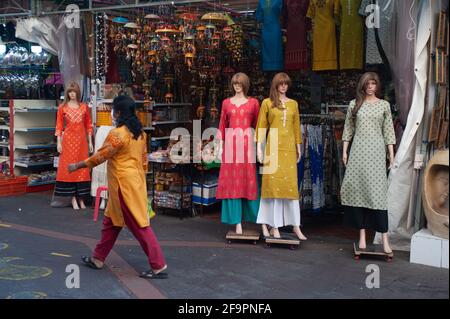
4, 225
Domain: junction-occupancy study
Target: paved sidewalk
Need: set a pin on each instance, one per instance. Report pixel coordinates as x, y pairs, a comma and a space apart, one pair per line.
38, 242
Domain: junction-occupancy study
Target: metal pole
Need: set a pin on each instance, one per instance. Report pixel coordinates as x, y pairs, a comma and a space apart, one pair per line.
131, 6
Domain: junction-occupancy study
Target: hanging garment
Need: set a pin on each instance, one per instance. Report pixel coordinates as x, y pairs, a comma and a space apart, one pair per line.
301, 164
372, 52
41, 30
279, 212
237, 177
365, 180
316, 158
70, 43
280, 173
74, 141
297, 25
268, 13
322, 13
351, 48
99, 173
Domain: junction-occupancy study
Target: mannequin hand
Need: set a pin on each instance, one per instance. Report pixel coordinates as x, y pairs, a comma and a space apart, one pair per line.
391, 162
299, 156
72, 167
59, 148
344, 159
91, 148
260, 155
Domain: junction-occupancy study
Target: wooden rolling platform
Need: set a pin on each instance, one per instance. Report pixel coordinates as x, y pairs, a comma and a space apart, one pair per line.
373, 250
286, 239
247, 235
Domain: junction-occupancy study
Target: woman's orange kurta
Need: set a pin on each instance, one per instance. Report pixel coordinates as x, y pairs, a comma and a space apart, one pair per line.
74, 141
127, 167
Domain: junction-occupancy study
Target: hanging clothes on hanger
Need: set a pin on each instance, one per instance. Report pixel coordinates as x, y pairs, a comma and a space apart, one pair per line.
268, 13
316, 159
297, 25
322, 13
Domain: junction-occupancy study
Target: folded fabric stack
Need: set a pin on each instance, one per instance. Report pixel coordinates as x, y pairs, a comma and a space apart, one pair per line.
43, 177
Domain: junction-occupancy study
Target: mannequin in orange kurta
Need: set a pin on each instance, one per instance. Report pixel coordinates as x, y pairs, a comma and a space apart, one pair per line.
125, 149
73, 138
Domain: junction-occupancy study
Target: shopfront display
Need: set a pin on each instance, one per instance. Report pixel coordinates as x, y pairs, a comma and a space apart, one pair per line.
176, 61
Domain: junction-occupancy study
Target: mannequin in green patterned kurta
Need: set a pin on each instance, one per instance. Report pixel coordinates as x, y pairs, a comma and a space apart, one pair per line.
364, 189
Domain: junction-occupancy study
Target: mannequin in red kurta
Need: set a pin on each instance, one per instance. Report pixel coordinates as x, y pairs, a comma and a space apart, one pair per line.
73, 146
238, 186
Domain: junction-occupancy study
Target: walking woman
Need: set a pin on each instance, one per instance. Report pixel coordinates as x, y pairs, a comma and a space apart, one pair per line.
125, 149
364, 189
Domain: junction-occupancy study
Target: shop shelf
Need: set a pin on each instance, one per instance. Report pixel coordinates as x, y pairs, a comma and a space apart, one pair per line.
41, 183
34, 147
169, 122
20, 164
33, 129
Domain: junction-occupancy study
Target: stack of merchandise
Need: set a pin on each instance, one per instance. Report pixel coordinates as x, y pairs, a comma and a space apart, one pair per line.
36, 158
43, 177
172, 200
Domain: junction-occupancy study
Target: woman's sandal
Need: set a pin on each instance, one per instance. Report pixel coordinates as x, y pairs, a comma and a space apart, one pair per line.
89, 262
149, 274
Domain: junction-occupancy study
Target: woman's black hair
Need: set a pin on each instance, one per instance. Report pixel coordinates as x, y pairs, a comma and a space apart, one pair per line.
126, 107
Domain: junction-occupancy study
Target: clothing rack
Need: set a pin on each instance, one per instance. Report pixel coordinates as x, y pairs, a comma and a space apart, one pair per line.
328, 106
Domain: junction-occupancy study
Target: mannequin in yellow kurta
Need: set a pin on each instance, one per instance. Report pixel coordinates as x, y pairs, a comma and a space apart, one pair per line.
280, 117
125, 149
323, 13
351, 42
281, 183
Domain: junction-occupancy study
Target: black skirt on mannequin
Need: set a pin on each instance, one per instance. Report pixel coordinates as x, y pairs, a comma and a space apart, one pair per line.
365, 218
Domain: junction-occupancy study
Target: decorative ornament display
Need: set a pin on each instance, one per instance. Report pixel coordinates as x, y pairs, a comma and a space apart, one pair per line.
101, 31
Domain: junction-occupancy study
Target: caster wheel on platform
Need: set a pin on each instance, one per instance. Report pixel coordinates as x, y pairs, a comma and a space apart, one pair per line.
357, 257
254, 243
229, 241
292, 247
388, 259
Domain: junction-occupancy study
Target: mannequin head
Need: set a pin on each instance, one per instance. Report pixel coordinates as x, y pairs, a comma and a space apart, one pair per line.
72, 93
240, 83
369, 86
435, 194
280, 85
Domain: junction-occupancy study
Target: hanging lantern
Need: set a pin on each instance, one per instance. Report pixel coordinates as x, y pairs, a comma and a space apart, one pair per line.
215, 41
189, 59
168, 98
210, 29
201, 32
152, 17
215, 17
227, 33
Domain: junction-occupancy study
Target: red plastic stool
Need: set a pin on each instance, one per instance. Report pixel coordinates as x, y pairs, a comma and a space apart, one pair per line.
100, 189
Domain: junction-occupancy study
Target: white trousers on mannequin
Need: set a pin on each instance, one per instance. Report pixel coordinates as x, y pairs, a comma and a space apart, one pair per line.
277, 212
